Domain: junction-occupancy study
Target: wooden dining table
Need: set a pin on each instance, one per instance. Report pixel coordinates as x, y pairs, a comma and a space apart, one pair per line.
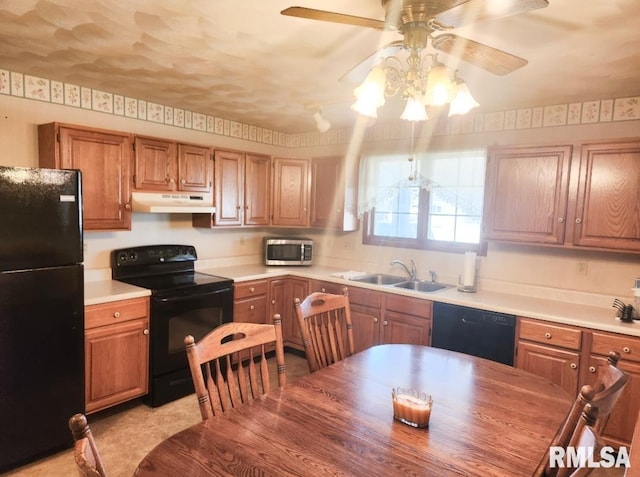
487, 419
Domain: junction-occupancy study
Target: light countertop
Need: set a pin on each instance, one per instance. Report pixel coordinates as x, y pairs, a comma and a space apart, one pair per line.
554, 310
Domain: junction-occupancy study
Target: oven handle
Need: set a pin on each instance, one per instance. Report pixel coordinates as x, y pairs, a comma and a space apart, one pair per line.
173, 299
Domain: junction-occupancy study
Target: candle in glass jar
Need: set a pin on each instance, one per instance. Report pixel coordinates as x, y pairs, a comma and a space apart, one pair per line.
411, 407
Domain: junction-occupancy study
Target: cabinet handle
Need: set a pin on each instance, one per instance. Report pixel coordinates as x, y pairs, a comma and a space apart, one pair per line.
323, 290
183, 181
547, 335
578, 220
385, 322
560, 220
592, 369
116, 314
626, 349
252, 307
273, 302
252, 289
573, 366
172, 180
375, 320
145, 332
127, 206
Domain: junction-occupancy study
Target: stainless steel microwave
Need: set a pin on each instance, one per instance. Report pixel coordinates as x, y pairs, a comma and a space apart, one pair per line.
288, 251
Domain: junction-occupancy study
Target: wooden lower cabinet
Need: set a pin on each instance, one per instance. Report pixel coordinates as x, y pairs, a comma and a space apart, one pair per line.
559, 366
116, 352
380, 318
551, 351
282, 292
569, 357
250, 303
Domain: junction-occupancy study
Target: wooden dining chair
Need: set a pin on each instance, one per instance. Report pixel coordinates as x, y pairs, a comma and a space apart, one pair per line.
610, 382
229, 365
325, 323
585, 440
85, 451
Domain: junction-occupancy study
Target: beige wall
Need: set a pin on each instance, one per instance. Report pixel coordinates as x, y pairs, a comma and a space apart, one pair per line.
607, 273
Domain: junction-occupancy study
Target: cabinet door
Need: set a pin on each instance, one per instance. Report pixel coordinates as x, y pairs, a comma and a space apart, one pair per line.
228, 176
257, 189
155, 164
327, 192
290, 192
557, 365
526, 194
116, 363
405, 329
299, 288
104, 160
607, 207
366, 326
194, 168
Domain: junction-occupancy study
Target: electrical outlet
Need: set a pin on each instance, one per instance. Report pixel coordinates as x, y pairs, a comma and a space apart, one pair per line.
581, 268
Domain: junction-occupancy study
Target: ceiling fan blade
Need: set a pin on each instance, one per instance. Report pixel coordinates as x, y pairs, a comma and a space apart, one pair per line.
480, 10
360, 71
491, 59
325, 16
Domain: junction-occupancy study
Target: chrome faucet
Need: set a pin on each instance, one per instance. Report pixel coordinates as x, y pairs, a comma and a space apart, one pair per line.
412, 273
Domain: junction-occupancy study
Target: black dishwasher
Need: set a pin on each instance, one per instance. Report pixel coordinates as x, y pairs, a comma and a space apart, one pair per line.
485, 334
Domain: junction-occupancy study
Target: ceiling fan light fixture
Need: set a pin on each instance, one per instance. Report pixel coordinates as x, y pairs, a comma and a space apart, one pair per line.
322, 123
463, 101
370, 94
414, 110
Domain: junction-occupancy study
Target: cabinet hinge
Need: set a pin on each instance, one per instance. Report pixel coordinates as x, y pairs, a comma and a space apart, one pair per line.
58, 137
133, 145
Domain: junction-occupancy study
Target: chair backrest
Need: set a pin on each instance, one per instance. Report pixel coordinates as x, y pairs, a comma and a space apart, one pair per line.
610, 383
85, 451
324, 320
229, 365
586, 442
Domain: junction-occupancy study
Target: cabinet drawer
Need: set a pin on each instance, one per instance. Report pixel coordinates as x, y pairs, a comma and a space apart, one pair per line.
362, 296
251, 310
555, 335
249, 289
115, 312
627, 346
408, 306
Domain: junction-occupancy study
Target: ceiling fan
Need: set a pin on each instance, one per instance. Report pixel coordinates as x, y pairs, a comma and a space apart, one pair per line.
418, 20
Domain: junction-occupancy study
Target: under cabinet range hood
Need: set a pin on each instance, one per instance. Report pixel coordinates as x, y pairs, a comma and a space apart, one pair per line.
172, 203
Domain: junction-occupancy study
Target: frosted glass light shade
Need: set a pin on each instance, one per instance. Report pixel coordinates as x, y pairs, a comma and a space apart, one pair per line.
370, 94
415, 110
322, 123
438, 85
462, 102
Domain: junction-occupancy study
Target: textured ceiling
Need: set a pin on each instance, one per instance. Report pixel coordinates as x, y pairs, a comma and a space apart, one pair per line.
242, 60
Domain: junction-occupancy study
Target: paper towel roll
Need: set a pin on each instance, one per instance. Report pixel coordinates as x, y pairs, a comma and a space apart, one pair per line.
469, 276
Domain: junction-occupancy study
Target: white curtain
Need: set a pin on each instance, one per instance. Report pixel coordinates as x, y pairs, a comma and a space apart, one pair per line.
381, 177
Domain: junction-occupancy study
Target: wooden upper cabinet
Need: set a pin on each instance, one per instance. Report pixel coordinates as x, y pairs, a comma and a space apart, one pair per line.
526, 194
290, 192
104, 159
242, 189
333, 193
194, 168
608, 199
155, 164
166, 166
257, 189
229, 178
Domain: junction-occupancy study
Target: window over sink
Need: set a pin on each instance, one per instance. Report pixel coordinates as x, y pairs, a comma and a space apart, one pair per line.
433, 201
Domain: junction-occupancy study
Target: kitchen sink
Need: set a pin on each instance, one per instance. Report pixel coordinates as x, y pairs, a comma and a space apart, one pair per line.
423, 286
379, 279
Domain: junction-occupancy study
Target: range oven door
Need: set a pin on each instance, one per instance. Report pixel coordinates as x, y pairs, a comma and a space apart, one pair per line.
192, 312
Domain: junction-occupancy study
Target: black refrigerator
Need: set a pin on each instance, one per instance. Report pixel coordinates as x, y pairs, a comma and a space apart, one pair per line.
41, 311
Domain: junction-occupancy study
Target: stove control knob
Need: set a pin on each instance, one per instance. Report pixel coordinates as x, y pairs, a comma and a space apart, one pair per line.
122, 257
